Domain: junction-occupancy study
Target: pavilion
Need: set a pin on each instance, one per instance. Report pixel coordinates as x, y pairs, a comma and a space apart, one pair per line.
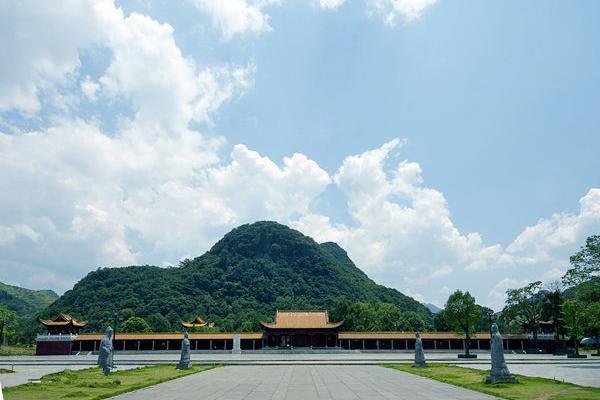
197, 323
301, 329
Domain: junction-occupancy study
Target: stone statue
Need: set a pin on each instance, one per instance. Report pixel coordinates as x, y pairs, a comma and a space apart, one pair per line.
499, 372
184, 361
236, 344
419, 355
105, 356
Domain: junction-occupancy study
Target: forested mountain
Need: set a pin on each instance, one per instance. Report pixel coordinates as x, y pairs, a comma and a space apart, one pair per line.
25, 302
247, 275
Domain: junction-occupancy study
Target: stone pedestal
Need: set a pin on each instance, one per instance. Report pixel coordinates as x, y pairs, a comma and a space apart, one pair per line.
501, 379
236, 344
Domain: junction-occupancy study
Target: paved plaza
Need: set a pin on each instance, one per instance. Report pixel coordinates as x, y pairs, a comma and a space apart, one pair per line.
581, 372
302, 382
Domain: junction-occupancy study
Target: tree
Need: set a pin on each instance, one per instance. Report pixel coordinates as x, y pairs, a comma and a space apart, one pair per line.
592, 318
7, 318
552, 302
439, 322
524, 304
158, 323
462, 314
585, 264
574, 315
135, 324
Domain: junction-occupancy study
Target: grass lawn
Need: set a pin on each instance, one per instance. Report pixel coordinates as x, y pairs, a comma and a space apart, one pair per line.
17, 351
527, 389
89, 384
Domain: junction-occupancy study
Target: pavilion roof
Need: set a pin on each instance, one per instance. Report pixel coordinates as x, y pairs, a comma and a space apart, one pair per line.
197, 323
301, 320
63, 320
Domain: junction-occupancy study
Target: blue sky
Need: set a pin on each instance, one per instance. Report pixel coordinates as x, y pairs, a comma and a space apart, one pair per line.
442, 143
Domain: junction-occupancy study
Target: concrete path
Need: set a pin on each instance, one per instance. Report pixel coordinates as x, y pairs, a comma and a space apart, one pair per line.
302, 382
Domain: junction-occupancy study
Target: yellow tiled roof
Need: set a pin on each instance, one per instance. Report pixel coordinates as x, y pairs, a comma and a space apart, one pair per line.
63, 319
424, 335
301, 320
170, 336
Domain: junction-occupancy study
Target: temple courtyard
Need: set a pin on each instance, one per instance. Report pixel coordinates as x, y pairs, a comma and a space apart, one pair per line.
305, 375
302, 382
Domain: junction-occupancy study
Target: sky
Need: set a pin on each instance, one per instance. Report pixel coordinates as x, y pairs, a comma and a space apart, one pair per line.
445, 144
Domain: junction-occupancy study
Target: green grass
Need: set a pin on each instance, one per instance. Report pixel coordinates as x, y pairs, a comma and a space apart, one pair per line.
527, 389
91, 384
17, 351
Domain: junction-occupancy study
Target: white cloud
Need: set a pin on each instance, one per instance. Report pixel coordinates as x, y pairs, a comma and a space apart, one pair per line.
390, 10
89, 88
403, 234
236, 17
330, 4
41, 41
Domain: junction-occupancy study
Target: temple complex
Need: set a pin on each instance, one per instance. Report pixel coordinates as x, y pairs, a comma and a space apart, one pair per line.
290, 330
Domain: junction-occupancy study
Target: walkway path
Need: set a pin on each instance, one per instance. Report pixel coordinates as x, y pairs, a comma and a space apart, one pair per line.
302, 382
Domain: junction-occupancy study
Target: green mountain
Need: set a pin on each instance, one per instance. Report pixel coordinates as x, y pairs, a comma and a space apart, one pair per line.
25, 302
247, 275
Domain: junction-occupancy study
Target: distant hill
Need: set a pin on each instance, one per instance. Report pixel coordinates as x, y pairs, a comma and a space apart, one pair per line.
247, 275
433, 308
25, 302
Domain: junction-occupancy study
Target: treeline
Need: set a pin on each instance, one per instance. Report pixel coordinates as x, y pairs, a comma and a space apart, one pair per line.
572, 305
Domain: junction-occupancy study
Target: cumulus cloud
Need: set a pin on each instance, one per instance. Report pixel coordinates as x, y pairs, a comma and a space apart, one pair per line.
235, 17
87, 197
390, 10
403, 234
45, 50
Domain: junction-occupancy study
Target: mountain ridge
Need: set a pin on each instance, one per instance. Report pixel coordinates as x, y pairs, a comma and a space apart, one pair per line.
25, 302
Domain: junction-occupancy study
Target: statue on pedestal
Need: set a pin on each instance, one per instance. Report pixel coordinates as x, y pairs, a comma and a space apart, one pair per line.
184, 361
105, 356
419, 355
499, 372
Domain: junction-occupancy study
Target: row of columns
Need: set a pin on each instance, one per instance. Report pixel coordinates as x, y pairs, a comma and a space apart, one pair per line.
339, 342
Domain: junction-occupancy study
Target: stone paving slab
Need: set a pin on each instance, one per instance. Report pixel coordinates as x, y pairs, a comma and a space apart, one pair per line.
303, 382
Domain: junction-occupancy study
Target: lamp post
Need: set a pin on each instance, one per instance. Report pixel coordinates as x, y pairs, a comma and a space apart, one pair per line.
490, 315
116, 316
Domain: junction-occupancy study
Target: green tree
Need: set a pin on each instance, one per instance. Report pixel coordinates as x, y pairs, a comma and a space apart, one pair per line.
462, 314
574, 321
585, 264
158, 323
7, 319
524, 304
439, 322
552, 302
592, 318
411, 321
135, 324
